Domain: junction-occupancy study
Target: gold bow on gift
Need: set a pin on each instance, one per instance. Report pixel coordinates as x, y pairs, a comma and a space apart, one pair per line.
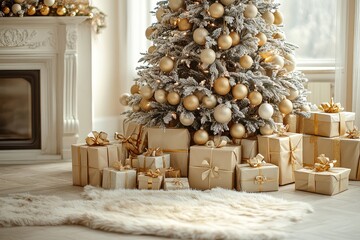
153, 152
324, 164
152, 173
353, 134
282, 130
260, 179
256, 161
211, 172
118, 166
95, 138
218, 142
131, 143
178, 183
331, 107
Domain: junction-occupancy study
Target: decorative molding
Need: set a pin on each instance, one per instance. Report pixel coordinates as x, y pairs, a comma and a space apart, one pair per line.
23, 38
71, 38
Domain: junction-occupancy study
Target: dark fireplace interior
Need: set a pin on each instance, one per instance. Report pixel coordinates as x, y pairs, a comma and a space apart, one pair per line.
20, 109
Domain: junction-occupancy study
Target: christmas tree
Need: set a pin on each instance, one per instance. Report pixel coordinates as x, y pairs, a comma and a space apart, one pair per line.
217, 68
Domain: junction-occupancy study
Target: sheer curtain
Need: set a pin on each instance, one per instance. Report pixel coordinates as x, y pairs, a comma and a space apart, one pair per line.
356, 70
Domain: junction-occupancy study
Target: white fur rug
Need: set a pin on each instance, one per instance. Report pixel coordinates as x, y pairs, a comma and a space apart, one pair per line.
186, 214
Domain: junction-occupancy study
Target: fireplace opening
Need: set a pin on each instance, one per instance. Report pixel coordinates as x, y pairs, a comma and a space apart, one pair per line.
20, 126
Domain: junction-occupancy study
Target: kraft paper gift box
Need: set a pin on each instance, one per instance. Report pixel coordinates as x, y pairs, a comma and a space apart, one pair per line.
176, 142
249, 149
150, 183
76, 165
328, 124
283, 151
264, 178
148, 162
329, 183
171, 172
115, 179
213, 167
176, 184
350, 156
291, 121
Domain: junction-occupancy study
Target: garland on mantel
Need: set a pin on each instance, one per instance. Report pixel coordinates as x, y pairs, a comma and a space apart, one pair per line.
72, 8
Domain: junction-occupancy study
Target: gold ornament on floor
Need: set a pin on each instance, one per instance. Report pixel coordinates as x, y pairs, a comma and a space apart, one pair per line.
191, 102
159, 14
266, 111
224, 42
276, 60
135, 89
61, 10
184, 24
175, 5
151, 49
266, 130
285, 106
124, 99
146, 92
293, 94
222, 86
145, 105
222, 114
262, 39
200, 35
185, 120
268, 17
44, 10
250, 11
353, 134
227, 2
201, 137
31, 10
209, 102
255, 98
173, 98
160, 96
237, 131
149, 31
15, 8
166, 64
239, 91
208, 56
278, 18
235, 37
246, 62
331, 107
216, 10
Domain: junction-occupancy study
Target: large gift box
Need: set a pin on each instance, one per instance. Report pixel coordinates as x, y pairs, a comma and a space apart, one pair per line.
176, 142
213, 167
328, 182
76, 165
176, 184
328, 124
249, 148
114, 179
263, 178
350, 156
150, 180
152, 162
285, 151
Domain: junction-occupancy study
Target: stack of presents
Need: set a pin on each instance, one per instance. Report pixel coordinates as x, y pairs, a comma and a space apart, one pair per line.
320, 154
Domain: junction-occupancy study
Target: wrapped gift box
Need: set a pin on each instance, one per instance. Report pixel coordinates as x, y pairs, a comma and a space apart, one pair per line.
171, 172
148, 162
264, 178
283, 151
350, 156
150, 183
329, 183
176, 142
213, 167
176, 183
249, 149
114, 179
76, 165
328, 124
291, 121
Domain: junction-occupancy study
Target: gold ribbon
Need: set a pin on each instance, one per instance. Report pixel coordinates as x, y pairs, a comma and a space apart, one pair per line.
153, 174
95, 138
316, 124
260, 179
256, 161
282, 130
218, 142
153, 152
324, 164
171, 172
212, 171
331, 107
353, 134
119, 167
132, 143
178, 183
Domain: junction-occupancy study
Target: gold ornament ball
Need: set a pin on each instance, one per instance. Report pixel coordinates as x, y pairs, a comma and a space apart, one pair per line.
222, 114
124, 99
266, 130
186, 121
266, 54
149, 31
207, 56
160, 96
262, 38
166, 64
293, 94
200, 35
146, 92
175, 5
151, 49
279, 35
290, 65
31, 10
235, 37
159, 14
15, 8
246, 62
201, 137
237, 130
227, 2
61, 10
173, 98
266, 111
6, 10
255, 98
216, 10
145, 105
136, 108
184, 24
285, 106
224, 42
268, 17
222, 86
49, 2
276, 60
44, 10
135, 89
199, 95
250, 11
239, 91
278, 18
305, 108
209, 102
191, 102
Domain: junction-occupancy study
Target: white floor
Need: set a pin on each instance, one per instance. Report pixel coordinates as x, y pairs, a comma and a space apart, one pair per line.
336, 217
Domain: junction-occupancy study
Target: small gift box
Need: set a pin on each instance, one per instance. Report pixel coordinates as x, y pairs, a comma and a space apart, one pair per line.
115, 179
153, 159
150, 180
171, 172
249, 148
257, 177
76, 165
176, 183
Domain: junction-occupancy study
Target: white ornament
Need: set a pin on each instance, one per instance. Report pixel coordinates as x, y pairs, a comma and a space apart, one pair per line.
222, 114
266, 111
49, 3
16, 8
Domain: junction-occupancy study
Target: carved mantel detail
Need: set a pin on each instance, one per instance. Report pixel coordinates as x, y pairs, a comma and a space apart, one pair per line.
21, 38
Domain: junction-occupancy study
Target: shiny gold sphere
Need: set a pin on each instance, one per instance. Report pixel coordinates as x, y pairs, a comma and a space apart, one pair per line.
145, 105
255, 98
201, 137
222, 86
237, 130
235, 38
268, 17
224, 42
6, 10
175, 5
262, 39
246, 62
200, 35
222, 114
160, 96
266, 54
239, 91
278, 18
250, 11
293, 94
173, 98
124, 99
146, 92
209, 102
61, 10
208, 56
275, 60
285, 106
149, 31
166, 64
216, 10
31, 10
266, 130
159, 14
186, 121
191, 102
44, 10
184, 24
135, 89
151, 49
136, 108
227, 2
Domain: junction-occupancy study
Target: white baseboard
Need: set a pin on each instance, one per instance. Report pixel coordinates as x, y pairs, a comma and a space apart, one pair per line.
26, 157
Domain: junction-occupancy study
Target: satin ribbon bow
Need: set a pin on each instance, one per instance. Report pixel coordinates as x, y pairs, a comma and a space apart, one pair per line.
331, 107
282, 130
131, 143
324, 164
95, 138
218, 142
260, 179
177, 182
152, 173
353, 134
118, 166
211, 172
153, 152
256, 161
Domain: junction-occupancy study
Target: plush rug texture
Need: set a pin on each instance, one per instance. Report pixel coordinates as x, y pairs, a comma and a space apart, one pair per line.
185, 214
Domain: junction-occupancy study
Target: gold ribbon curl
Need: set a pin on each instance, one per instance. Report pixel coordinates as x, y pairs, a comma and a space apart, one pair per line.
324, 164
131, 143
119, 167
331, 107
153, 174
260, 180
256, 161
95, 138
212, 171
218, 142
153, 152
178, 183
282, 130
353, 134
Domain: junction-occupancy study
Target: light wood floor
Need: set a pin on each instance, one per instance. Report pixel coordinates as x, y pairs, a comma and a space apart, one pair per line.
336, 217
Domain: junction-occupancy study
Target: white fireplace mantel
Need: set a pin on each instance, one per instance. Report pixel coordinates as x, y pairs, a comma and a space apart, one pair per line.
51, 45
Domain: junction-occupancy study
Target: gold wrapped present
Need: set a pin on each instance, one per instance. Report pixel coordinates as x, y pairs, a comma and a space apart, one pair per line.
350, 156
283, 151
213, 167
291, 121
150, 180
171, 172
176, 142
249, 148
152, 162
76, 165
115, 179
176, 184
